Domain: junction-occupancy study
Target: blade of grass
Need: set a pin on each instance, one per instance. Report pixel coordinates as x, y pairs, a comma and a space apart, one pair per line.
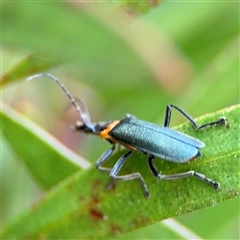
29, 65
47, 159
46, 36
80, 206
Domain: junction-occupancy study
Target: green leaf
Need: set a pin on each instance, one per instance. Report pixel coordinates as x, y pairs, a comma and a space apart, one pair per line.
137, 8
81, 206
195, 27
181, 53
47, 159
29, 65
108, 53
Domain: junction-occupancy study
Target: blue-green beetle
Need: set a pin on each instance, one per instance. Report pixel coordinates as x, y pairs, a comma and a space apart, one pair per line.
147, 138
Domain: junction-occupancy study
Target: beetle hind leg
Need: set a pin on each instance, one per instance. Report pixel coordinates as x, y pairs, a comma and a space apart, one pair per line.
191, 173
202, 177
118, 166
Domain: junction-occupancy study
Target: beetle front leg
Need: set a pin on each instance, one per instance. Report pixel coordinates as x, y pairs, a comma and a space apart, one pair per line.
200, 176
118, 166
221, 121
104, 158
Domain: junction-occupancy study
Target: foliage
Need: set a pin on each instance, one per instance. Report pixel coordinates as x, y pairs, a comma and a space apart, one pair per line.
181, 53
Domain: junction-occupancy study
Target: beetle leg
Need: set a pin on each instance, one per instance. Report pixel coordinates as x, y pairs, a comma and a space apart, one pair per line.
191, 173
221, 121
104, 158
117, 167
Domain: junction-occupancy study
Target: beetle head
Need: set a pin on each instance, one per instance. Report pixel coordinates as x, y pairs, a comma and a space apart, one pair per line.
91, 127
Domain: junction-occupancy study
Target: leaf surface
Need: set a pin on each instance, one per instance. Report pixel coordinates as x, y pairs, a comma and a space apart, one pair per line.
47, 159
81, 206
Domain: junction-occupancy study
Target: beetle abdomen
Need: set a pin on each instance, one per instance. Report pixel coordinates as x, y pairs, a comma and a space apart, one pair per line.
152, 139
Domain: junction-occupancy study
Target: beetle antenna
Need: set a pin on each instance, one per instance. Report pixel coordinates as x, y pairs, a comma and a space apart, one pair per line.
83, 111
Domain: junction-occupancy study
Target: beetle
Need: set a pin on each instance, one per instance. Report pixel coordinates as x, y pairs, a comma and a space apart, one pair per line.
145, 137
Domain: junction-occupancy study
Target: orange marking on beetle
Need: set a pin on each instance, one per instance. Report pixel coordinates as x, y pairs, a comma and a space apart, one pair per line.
104, 133
129, 146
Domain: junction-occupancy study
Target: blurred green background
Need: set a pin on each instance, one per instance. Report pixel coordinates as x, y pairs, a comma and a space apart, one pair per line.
119, 58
